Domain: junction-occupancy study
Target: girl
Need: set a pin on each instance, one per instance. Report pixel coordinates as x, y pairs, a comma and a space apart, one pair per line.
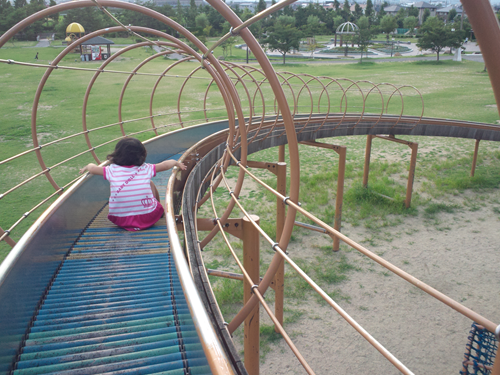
134, 203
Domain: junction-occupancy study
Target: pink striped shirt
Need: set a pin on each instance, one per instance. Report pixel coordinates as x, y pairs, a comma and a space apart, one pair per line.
130, 189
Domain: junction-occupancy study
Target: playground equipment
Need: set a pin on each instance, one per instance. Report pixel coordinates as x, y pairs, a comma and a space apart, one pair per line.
33, 273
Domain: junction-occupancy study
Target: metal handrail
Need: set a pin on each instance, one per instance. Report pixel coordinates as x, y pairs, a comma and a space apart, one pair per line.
489, 325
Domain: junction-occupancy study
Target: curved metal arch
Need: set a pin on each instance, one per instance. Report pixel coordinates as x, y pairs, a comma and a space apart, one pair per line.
86, 3
90, 86
254, 46
353, 83
127, 81
374, 86
421, 99
251, 103
153, 91
334, 80
401, 97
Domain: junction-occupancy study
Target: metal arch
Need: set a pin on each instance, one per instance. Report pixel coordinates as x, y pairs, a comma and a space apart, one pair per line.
296, 99
127, 81
311, 79
402, 101
239, 79
153, 91
277, 112
381, 98
251, 103
306, 86
334, 80
421, 99
86, 3
353, 83
90, 86
252, 43
186, 79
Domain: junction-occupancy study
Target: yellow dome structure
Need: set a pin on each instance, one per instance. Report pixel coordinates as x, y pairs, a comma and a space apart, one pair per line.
75, 28
68, 39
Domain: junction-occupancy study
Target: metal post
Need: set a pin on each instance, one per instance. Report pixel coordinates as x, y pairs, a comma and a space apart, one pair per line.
247, 54
281, 153
251, 258
342, 151
366, 170
411, 174
474, 159
279, 277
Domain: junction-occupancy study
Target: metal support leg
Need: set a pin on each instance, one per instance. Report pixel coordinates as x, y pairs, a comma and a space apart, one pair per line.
366, 170
251, 259
281, 153
279, 277
474, 159
342, 151
411, 174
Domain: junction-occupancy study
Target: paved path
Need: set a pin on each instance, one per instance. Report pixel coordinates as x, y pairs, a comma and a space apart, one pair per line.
42, 43
335, 59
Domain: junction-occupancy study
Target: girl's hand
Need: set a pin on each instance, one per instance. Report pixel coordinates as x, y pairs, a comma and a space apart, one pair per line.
84, 169
93, 169
181, 166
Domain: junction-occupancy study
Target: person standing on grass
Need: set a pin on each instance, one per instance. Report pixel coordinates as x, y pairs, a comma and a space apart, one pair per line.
134, 202
36, 56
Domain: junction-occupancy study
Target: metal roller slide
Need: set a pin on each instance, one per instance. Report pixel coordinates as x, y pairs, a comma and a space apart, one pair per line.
115, 305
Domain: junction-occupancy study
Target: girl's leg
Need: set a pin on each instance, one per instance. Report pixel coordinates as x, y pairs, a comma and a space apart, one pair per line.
155, 191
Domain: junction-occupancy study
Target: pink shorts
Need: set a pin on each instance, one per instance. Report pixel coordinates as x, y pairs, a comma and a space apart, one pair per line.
138, 222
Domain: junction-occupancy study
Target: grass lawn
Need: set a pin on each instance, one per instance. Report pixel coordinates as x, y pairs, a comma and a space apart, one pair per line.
450, 90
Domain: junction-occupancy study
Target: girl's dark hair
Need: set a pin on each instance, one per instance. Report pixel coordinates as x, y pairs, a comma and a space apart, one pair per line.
128, 151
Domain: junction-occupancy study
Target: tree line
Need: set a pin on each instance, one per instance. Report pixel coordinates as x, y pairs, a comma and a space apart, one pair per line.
280, 31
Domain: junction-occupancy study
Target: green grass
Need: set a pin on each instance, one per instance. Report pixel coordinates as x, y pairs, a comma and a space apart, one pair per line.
445, 86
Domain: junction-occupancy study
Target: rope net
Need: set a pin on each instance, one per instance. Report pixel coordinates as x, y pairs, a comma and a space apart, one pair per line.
480, 351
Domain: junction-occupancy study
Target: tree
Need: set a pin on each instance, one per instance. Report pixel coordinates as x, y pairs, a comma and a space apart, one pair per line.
387, 25
336, 5
358, 11
410, 23
427, 14
381, 13
285, 36
313, 25
6, 9
364, 34
261, 5
412, 12
346, 11
20, 4
337, 21
400, 16
452, 14
191, 15
436, 36
369, 12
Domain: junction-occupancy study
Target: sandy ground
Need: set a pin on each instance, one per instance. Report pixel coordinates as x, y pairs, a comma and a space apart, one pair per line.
423, 333
455, 253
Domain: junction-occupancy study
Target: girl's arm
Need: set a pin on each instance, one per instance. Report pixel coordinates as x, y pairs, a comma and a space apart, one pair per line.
93, 169
167, 164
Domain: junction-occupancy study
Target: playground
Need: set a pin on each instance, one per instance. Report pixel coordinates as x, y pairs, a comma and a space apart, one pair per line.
390, 222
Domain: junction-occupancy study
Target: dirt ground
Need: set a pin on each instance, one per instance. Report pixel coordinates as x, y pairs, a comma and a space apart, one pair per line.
423, 333
456, 253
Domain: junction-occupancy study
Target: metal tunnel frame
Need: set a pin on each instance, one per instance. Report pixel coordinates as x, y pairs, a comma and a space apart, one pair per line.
288, 127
